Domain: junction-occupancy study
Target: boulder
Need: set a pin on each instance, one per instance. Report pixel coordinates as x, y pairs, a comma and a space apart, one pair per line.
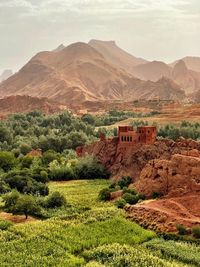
174, 177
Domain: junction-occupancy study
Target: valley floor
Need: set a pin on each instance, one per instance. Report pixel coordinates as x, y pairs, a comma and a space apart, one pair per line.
89, 233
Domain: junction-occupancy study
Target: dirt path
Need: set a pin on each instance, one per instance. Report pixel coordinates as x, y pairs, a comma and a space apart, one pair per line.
172, 209
16, 218
164, 214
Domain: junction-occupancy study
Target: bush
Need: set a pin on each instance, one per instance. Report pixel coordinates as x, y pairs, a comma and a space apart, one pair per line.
105, 194
61, 173
196, 231
125, 181
26, 161
26, 205
156, 195
4, 187
10, 200
55, 200
4, 225
130, 191
120, 203
130, 198
181, 229
89, 168
44, 176
7, 161
24, 183
50, 156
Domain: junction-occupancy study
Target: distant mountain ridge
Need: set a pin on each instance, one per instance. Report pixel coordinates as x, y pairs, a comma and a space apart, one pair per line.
95, 71
116, 56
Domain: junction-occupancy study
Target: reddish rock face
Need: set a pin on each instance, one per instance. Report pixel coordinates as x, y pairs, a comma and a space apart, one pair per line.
131, 160
163, 215
35, 153
174, 177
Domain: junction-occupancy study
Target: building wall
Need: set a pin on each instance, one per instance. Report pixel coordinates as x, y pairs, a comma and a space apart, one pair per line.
147, 134
128, 137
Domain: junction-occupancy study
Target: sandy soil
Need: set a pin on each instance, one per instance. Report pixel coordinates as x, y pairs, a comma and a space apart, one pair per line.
16, 218
165, 214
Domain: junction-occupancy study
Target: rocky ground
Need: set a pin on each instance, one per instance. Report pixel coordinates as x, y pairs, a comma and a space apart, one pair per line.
169, 169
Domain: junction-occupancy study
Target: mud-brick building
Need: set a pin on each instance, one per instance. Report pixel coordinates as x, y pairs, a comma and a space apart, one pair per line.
128, 136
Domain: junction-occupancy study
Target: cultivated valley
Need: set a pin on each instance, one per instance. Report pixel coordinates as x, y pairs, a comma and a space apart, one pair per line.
99, 139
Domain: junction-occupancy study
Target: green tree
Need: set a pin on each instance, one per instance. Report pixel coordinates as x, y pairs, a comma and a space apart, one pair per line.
10, 200
26, 205
7, 160
88, 118
55, 200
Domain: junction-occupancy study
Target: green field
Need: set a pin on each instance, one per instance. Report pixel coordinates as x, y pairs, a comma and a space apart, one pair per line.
89, 233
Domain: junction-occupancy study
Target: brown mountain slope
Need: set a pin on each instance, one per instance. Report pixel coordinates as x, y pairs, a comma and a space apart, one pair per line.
116, 55
192, 63
79, 73
189, 80
163, 89
152, 71
15, 104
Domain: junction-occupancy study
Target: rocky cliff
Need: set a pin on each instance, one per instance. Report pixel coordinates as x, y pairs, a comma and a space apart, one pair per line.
132, 160
175, 177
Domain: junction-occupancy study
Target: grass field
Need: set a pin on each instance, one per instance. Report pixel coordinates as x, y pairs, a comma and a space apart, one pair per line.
88, 233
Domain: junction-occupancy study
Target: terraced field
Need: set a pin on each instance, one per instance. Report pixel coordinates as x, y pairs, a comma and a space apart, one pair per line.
89, 233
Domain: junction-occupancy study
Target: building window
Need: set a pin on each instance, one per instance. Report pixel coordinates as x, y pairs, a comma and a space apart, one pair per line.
127, 138
131, 139
124, 138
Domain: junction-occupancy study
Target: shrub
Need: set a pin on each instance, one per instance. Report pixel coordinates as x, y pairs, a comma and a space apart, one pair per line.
61, 173
4, 225
130, 191
24, 183
90, 168
7, 161
120, 203
26, 205
55, 200
125, 181
156, 195
44, 176
196, 231
4, 187
105, 194
10, 200
26, 161
50, 156
181, 229
130, 198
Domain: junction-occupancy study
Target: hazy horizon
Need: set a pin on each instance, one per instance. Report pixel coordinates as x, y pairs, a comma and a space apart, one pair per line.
152, 29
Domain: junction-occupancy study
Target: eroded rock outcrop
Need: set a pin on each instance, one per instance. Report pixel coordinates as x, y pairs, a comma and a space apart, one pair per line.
132, 160
163, 215
175, 177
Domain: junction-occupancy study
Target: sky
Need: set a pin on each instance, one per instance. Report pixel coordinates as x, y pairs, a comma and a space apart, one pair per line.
152, 29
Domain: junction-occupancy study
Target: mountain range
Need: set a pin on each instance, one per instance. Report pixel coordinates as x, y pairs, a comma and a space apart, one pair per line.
100, 71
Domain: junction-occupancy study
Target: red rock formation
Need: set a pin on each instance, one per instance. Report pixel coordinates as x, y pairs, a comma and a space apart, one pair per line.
175, 177
164, 214
35, 153
178, 180
132, 160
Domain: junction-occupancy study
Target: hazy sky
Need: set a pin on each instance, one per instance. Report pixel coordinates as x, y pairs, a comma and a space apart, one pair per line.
152, 29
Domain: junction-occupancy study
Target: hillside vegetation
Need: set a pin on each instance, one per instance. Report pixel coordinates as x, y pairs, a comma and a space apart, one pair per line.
99, 235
